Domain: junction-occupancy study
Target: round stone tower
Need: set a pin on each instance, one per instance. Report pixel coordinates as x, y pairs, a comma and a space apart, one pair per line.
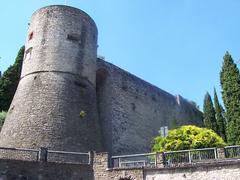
55, 102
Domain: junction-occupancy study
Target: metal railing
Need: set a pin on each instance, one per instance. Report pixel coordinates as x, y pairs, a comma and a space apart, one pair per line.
136, 160
166, 159
232, 151
19, 153
70, 157
43, 154
175, 158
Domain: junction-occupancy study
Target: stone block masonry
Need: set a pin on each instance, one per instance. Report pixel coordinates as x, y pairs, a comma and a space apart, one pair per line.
99, 169
13, 170
68, 100
55, 102
131, 110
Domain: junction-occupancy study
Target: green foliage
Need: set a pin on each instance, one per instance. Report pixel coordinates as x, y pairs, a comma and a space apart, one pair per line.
2, 117
219, 117
187, 137
209, 113
230, 82
9, 81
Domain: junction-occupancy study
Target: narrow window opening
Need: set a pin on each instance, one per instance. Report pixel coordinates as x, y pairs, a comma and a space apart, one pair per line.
133, 106
28, 54
30, 36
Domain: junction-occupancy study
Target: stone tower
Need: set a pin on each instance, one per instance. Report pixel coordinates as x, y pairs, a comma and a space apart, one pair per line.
55, 102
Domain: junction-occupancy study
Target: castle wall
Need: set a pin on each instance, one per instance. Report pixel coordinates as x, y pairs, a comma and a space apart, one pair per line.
132, 110
48, 114
55, 102
63, 39
63, 94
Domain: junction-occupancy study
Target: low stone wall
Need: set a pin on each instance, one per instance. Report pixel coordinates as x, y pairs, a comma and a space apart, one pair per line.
30, 170
226, 170
98, 169
101, 162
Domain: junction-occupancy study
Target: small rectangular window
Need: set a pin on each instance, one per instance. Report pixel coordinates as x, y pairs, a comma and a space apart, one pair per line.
28, 54
73, 37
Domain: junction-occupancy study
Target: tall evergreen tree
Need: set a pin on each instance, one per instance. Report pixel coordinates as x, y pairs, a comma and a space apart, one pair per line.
209, 113
219, 117
230, 82
9, 81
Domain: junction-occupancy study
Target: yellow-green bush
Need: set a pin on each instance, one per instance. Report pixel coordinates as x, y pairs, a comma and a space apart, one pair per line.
187, 137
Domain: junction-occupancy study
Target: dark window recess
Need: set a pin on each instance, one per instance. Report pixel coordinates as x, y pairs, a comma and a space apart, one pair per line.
124, 87
73, 37
28, 53
133, 106
154, 98
30, 36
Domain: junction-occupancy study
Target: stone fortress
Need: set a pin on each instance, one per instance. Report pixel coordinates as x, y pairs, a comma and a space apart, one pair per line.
70, 100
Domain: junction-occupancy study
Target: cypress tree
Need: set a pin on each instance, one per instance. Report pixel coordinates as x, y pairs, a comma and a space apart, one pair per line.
209, 113
9, 81
219, 117
230, 83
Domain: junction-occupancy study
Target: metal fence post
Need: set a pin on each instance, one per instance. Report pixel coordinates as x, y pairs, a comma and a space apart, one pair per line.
156, 159
189, 157
42, 155
90, 157
215, 153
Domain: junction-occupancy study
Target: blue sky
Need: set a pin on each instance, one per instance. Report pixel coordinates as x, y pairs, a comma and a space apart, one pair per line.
176, 45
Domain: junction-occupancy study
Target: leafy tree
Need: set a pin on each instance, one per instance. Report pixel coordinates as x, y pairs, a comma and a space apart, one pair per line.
230, 82
187, 137
2, 117
9, 81
219, 117
209, 113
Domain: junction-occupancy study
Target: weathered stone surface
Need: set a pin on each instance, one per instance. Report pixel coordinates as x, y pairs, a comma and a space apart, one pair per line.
53, 49
101, 169
67, 101
55, 102
215, 171
132, 111
26, 170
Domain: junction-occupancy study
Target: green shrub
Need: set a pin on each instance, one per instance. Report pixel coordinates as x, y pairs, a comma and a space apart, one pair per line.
187, 137
2, 117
